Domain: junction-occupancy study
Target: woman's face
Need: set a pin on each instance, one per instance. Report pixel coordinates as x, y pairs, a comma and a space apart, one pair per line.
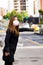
15, 22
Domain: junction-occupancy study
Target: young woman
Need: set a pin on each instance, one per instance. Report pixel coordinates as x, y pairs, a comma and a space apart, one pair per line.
11, 40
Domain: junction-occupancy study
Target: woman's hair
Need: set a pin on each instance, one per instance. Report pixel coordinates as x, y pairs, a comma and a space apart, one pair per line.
12, 27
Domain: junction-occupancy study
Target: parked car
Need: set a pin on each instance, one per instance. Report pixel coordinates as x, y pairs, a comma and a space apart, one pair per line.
34, 26
38, 29
24, 27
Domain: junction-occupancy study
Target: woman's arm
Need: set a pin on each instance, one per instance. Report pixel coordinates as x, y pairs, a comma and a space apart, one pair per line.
7, 41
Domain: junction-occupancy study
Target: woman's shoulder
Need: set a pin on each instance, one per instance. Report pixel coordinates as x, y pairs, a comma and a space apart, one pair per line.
8, 30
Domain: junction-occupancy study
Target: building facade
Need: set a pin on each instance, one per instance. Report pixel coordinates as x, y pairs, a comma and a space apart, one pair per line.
31, 6
41, 4
3, 7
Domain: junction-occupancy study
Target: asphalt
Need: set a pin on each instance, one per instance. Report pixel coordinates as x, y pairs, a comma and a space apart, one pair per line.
32, 55
29, 56
26, 55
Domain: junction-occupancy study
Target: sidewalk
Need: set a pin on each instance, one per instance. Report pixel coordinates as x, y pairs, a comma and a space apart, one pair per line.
27, 56
1, 61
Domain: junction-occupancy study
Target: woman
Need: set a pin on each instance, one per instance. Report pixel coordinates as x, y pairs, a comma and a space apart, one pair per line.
11, 40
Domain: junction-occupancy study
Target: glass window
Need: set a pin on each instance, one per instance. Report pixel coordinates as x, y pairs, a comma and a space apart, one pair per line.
16, 9
22, 0
15, 6
23, 7
15, 0
22, 3
15, 3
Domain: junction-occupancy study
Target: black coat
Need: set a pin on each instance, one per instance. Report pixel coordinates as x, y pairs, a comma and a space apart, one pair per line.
11, 40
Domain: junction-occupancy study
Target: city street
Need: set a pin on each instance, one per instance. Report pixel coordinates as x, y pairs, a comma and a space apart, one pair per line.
30, 39
29, 50
25, 17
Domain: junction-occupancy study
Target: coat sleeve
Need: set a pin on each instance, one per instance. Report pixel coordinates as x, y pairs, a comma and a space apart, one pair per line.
6, 48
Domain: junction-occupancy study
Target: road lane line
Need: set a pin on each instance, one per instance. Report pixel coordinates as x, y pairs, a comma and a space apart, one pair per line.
30, 47
34, 42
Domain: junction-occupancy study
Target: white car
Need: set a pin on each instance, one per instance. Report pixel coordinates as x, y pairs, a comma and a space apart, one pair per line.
25, 27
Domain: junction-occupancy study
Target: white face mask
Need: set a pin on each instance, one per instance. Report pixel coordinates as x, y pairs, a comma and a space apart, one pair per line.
15, 23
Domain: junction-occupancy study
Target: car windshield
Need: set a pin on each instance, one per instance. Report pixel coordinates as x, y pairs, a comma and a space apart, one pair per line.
24, 25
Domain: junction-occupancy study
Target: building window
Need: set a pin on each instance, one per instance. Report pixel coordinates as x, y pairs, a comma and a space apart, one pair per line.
16, 9
15, 6
22, 3
15, 0
22, 0
23, 7
15, 3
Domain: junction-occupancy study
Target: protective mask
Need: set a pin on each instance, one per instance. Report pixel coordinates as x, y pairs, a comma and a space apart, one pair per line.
15, 23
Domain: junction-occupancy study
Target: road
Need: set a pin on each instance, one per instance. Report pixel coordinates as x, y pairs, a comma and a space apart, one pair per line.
30, 39
26, 39
29, 50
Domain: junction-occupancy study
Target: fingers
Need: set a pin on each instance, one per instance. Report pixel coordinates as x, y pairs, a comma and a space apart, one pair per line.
7, 53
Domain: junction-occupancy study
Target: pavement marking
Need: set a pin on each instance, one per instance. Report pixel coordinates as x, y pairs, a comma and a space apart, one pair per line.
30, 47
27, 47
20, 44
26, 32
34, 42
37, 39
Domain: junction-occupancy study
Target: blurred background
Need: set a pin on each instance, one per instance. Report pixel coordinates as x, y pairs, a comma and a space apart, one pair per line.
29, 13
